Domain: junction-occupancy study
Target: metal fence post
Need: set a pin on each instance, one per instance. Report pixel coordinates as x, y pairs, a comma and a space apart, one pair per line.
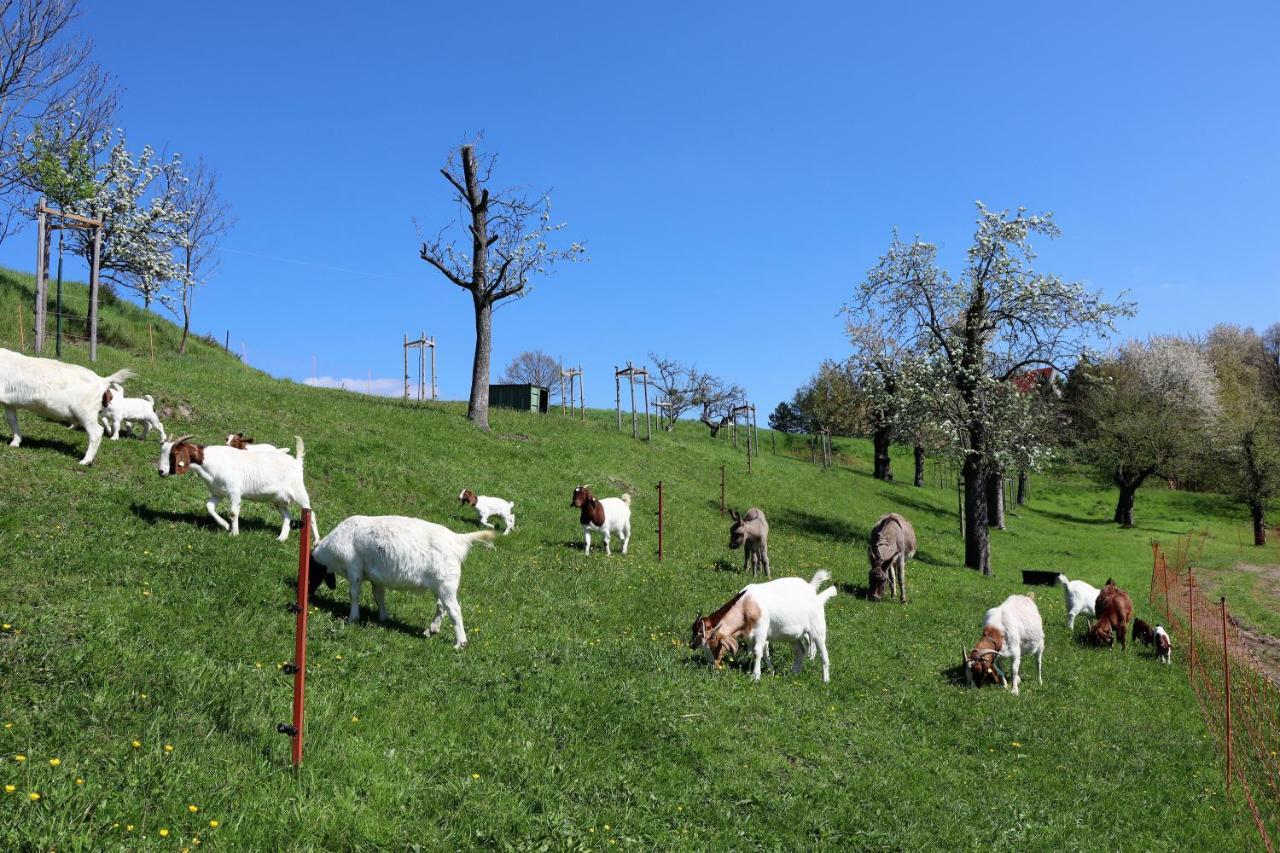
660, 520
1226, 687
722, 491
299, 665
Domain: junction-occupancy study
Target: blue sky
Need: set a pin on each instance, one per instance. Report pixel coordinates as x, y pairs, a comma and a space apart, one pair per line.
733, 168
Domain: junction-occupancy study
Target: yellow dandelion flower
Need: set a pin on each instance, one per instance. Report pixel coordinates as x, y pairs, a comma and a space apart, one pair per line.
128, 827
7, 626
592, 829
168, 747
137, 744
164, 833
142, 696
34, 795
213, 823
8, 725
195, 842
19, 758
337, 657
54, 762
606, 827
257, 665
475, 775
79, 781
146, 592
9, 789
1017, 745
193, 808
354, 718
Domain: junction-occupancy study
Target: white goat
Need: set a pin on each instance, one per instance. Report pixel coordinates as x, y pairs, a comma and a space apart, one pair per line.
274, 478
134, 410
608, 515
396, 552
1008, 631
1081, 597
66, 393
789, 609
487, 506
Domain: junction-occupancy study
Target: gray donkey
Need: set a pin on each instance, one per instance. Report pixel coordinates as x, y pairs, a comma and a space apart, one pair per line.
750, 531
893, 542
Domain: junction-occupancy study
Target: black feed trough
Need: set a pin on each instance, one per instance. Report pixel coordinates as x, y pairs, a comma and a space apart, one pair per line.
1035, 577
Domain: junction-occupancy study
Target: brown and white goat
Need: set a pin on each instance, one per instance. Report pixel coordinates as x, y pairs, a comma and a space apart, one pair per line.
750, 532
1142, 633
1008, 631
608, 515
1113, 610
718, 633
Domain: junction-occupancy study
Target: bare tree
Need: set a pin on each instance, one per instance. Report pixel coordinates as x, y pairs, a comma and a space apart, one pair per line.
508, 234
207, 217
535, 367
47, 80
716, 397
671, 378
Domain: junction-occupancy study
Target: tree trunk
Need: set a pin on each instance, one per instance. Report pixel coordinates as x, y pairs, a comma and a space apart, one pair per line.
478, 405
1024, 486
1259, 524
919, 452
977, 541
1124, 506
883, 469
187, 299
995, 499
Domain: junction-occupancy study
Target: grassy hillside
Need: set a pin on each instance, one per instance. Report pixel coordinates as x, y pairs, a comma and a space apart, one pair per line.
143, 646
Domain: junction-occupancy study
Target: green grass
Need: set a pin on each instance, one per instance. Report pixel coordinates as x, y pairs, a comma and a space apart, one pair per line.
577, 717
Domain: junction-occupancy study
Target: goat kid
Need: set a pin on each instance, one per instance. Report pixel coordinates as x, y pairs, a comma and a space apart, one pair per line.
397, 552
608, 515
1114, 609
1164, 646
487, 506
789, 609
704, 627
274, 478
892, 543
65, 393
121, 409
1080, 597
1142, 632
750, 532
1008, 631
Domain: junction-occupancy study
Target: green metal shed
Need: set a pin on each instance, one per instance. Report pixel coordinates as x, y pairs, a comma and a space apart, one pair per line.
525, 398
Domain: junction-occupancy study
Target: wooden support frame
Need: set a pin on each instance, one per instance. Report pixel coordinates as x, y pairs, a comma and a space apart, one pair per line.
631, 372
421, 344
44, 214
572, 374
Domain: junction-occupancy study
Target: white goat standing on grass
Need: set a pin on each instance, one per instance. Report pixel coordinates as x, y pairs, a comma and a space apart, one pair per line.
274, 478
1080, 597
134, 410
397, 552
789, 609
66, 393
608, 515
487, 506
1008, 631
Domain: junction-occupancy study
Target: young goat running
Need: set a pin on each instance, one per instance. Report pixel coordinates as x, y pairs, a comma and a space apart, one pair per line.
123, 409
487, 506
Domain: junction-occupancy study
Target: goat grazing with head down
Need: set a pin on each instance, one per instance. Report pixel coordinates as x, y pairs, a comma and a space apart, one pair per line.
789, 609
240, 441
892, 543
269, 477
750, 532
1113, 609
1008, 631
65, 393
608, 515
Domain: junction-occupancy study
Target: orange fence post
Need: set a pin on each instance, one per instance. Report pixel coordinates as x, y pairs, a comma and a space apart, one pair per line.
1191, 619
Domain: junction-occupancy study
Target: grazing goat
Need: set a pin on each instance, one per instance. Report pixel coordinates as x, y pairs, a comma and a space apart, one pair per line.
274, 478
396, 552
892, 543
705, 626
750, 532
240, 442
788, 609
134, 410
608, 515
1113, 609
66, 393
1164, 645
1080, 597
487, 506
1008, 631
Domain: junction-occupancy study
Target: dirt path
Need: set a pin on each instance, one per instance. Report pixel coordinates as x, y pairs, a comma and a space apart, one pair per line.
1264, 648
